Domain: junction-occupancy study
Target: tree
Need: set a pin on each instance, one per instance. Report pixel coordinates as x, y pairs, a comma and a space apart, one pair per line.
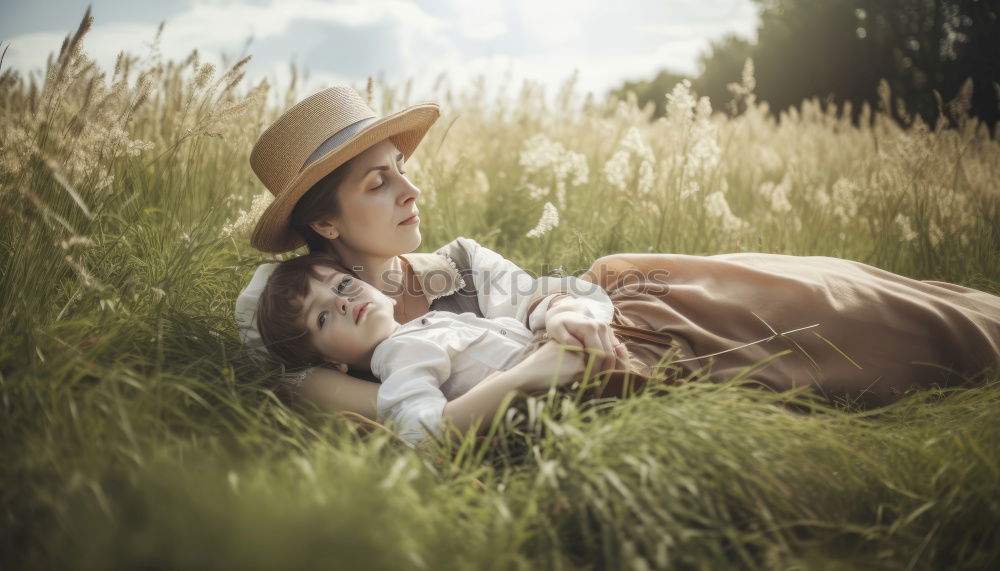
654, 90
839, 50
721, 65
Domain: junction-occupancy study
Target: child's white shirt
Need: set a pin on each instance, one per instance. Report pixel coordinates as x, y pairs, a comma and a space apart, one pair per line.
440, 356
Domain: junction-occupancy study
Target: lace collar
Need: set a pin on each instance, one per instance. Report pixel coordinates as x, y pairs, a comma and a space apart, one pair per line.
437, 274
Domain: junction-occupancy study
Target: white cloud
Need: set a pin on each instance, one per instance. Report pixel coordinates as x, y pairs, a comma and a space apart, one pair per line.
541, 40
555, 22
215, 27
480, 19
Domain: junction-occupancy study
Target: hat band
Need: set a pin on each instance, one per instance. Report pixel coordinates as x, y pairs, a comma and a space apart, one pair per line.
338, 138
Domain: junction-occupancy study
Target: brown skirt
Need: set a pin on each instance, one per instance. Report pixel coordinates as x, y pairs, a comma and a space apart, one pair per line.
844, 328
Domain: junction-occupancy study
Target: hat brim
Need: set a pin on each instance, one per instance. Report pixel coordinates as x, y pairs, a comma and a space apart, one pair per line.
405, 128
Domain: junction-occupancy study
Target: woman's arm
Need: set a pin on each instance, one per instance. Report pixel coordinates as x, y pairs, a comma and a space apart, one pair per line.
333, 391
504, 289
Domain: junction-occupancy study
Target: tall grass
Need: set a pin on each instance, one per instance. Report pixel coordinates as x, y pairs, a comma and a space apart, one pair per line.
135, 432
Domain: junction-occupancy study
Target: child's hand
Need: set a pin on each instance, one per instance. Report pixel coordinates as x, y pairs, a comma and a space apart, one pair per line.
552, 364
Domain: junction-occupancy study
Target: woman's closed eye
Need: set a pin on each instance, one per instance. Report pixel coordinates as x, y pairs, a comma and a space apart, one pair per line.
381, 179
342, 286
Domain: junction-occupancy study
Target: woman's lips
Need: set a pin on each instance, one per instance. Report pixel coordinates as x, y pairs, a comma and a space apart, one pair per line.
411, 220
359, 311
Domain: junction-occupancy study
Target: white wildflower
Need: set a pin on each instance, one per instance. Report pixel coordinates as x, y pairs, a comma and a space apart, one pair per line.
705, 152
695, 119
717, 207
935, 234
578, 167
540, 153
536, 192
820, 197
905, 228
703, 111
633, 143
680, 103
103, 181
744, 89
845, 204
646, 177
548, 221
482, 183
690, 189
956, 209
769, 160
247, 218
616, 170
777, 195
135, 147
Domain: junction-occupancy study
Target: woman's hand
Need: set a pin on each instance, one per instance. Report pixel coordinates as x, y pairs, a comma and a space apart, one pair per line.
567, 323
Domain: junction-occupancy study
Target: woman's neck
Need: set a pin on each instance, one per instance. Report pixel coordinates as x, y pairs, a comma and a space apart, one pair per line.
386, 274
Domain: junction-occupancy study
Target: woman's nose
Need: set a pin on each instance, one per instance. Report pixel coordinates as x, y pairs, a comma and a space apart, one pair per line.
408, 193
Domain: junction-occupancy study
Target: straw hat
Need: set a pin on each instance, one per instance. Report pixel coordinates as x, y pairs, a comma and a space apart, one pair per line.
314, 137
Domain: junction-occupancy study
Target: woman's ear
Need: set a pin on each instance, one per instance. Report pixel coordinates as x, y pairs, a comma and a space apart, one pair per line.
325, 228
342, 367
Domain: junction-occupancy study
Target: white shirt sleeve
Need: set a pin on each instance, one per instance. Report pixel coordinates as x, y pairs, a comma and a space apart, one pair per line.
506, 290
601, 310
412, 370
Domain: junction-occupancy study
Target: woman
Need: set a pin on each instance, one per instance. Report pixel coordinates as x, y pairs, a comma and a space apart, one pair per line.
847, 329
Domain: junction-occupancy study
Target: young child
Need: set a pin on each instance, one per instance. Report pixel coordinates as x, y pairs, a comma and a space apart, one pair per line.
315, 312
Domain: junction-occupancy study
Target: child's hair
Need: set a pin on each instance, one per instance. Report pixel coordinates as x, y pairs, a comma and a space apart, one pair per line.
279, 310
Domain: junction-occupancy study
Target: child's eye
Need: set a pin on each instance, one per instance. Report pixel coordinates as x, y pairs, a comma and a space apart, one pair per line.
322, 318
379, 185
343, 285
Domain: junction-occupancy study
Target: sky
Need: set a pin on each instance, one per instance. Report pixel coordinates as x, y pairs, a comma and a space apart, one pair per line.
505, 41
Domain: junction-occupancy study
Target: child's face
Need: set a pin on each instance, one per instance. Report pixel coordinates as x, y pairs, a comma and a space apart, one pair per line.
346, 317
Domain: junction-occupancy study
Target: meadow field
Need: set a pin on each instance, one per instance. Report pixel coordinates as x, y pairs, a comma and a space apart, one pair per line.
135, 432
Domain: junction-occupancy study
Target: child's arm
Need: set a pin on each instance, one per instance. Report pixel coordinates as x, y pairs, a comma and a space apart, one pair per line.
413, 369
550, 364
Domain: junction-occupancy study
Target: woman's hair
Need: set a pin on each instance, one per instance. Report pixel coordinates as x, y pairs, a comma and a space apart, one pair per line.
318, 203
279, 309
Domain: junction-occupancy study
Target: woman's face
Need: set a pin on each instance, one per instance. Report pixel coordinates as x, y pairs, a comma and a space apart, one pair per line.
377, 207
